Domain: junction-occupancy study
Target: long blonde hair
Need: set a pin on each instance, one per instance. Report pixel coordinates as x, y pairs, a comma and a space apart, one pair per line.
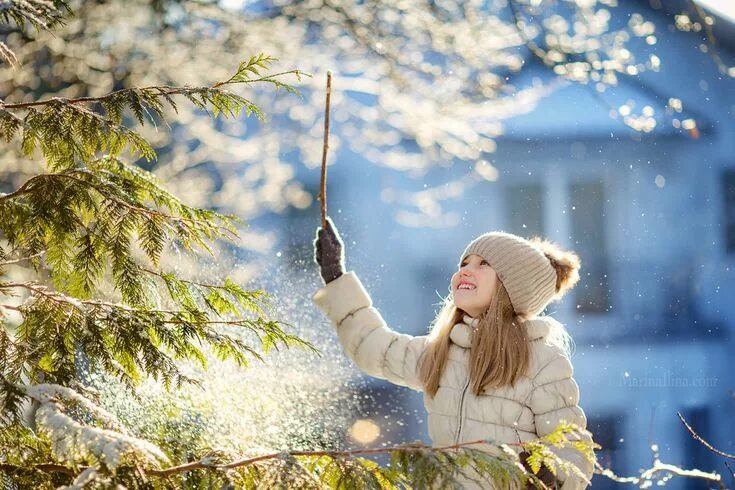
500, 351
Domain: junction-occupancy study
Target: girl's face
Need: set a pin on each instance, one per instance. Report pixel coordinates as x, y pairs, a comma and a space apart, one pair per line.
473, 285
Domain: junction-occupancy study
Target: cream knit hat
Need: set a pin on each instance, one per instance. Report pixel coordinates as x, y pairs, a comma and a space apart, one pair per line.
523, 267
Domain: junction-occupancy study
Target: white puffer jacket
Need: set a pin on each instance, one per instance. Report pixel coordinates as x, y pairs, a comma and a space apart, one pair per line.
532, 408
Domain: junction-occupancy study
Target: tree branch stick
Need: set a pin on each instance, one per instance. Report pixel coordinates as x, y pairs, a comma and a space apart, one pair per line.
325, 148
699, 439
244, 462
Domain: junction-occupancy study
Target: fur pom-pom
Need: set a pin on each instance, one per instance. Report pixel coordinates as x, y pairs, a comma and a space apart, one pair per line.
566, 263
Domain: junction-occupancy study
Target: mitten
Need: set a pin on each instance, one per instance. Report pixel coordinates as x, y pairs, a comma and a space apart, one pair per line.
544, 474
329, 253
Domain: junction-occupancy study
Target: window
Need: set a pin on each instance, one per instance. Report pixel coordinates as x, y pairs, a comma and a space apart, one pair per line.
728, 193
587, 214
524, 209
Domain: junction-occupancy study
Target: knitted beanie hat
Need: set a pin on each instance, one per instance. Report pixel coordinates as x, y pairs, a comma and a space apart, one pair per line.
534, 271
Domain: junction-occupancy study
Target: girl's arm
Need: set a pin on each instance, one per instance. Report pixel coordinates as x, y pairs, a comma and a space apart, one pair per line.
556, 398
366, 339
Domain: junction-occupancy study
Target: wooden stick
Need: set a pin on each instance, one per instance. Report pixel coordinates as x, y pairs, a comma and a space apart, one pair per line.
325, 147
359, 452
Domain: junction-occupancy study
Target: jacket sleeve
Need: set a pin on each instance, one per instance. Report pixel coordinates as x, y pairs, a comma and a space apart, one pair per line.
366, 339
554, 398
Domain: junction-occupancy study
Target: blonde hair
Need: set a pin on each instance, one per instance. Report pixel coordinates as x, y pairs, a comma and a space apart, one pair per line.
500, 352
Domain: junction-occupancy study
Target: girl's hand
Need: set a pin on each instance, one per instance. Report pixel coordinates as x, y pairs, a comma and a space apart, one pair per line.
329, 253
544, 474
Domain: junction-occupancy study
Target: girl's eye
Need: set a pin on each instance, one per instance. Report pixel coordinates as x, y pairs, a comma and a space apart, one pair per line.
484, 262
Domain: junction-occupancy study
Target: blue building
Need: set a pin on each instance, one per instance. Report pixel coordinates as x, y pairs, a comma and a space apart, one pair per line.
651, 214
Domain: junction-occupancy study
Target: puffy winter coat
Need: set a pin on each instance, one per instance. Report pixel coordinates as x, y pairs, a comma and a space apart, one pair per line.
531, 408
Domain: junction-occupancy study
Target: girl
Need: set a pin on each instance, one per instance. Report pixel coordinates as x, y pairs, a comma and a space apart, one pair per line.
490, 368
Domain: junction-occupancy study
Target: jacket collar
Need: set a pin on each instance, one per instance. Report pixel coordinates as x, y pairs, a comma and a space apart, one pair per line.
537, 328
461, 333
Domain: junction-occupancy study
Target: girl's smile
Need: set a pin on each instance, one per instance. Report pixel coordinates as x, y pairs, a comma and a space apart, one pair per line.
473, 285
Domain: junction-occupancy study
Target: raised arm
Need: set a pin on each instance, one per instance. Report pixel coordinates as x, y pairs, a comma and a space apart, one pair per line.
366, 339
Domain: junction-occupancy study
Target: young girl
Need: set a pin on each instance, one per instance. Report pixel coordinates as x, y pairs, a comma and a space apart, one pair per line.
490, 368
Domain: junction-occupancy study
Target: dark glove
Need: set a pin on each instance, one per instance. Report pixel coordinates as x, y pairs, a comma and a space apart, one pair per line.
544, 473
329, 253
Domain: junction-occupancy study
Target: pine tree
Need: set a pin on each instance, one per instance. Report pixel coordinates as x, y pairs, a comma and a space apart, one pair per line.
94, 228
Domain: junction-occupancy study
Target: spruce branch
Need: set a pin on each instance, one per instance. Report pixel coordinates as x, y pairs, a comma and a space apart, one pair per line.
105, 444
7, 54
565, 435
26, 455
129, 341
68, 133
79, 217
220, 298
73, 130
247, 69
41, 14
413, 465
82, 220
